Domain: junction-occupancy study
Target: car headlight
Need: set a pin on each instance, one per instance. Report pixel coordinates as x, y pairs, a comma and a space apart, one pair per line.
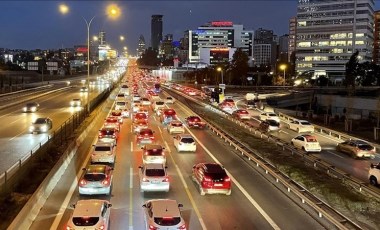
71, 103
31, 128
33, 109
25, 109
44, 128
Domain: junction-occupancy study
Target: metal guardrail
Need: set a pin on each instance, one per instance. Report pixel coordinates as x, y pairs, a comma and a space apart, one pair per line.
323, 209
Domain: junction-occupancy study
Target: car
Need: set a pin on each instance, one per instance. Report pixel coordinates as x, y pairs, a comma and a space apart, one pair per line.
269, 116
140, 116
124, 89
117, 114
269, 125
184, 143
153, 154
76, 102
83, 89
138, 125
41, 125
108, 134
374, 174
112, 122
145, 101
103, 152
153, 178
145, 136
241, 114
163, 214
211, 178
121, 105
229, 102
31, 107
136, 97
357, 148
167, 116
120, 96
169, 100
96, 180
154, 97
158, 105
194, 122
301, 126
175, 127
307, 143
136, 107
90, 214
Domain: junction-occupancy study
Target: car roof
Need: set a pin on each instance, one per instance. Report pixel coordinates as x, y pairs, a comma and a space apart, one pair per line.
165, 207
91, 207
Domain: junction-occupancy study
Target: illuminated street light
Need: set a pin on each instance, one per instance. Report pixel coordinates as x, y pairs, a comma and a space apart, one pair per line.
64, 9
283, 67
219, 69
95, 38
122, 38
113, 11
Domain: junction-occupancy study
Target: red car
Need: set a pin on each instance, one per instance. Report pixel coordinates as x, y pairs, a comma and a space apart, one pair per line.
108, 134
195, 122
241, 114
211, 178
112, 122
167, 116
117, 114
145, 136
140, 116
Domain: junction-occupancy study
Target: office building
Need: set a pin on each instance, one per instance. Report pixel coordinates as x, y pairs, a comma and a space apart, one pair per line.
329, 32
265, 48
376, 43
156, 31
141, 46
102, 38
283, 45
166, 47
292, 37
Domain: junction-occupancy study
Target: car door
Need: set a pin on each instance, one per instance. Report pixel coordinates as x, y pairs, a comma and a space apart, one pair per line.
298, 142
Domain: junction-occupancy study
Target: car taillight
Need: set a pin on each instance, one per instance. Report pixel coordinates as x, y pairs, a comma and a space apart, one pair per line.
227, 179
151, 227
106, 181
166, 179
101, 227
152, 138
139, 137
145, 180
182, 227
82, 182
100, 136
208, 179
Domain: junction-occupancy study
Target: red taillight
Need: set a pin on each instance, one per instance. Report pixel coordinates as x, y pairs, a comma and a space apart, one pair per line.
152, 227
145, 180
166, 179
182, 227
82, 182
102, 227
208, 179
106, 181
227, 179
152, 137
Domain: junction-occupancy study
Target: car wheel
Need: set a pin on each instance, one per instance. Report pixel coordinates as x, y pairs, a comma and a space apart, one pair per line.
373, 181
229, 192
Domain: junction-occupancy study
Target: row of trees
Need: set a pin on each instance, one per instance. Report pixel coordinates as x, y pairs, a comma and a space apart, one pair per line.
365, 73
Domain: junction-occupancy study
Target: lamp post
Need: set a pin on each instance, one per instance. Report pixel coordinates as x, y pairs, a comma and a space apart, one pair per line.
88, 23
283, 67
219, 69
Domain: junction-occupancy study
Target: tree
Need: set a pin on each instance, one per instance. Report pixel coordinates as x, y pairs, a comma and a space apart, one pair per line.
239, 67
352, 67
149, 58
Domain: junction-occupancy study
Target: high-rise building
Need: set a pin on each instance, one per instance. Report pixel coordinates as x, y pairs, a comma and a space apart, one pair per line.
283, 45
102, 38
141, 46
166, 46
376, 42
263, 40
292, 37
156, 31
329, 31
216, 42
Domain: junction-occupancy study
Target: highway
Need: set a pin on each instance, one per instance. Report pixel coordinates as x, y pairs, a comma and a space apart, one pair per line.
254, 203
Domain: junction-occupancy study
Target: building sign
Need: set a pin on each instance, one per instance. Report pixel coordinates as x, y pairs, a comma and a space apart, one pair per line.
82, 49
52, 65
221, 23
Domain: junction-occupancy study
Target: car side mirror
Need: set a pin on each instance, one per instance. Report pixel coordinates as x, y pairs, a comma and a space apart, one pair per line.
180, 205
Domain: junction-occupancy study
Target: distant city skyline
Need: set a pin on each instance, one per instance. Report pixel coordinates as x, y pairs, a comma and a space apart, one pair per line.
39, 24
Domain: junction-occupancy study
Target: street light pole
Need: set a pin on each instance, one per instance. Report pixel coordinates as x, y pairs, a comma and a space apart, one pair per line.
88, 61
284, 77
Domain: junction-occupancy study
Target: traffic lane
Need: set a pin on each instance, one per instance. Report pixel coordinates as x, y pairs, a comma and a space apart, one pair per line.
283, 208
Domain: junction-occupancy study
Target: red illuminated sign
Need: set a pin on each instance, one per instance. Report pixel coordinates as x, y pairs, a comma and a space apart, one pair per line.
221, 23
82, 49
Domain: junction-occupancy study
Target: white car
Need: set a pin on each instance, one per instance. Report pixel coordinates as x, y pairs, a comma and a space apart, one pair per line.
153, 154
185, 143
307, 143
145, 101
158, 105
121, 105
176, 127
90, 214
136, 97
153, 178
269, 116
76, 102
374, 174
169, 100
96, 180
301, 126
103, 152
163, 214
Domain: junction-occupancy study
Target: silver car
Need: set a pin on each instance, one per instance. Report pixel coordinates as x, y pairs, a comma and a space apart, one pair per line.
96, 180
163, 214
41, 125
153, 178
31, 107
153, 154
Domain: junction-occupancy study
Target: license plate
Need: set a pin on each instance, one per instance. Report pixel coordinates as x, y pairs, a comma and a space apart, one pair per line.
218, 185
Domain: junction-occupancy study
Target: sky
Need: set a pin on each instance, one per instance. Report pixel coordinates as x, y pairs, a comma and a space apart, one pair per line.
40, 25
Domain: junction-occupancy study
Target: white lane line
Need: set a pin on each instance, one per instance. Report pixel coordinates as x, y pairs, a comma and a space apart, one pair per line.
187, 189
131, 146
282, 131
159, 128
65, 203
335, 154
246, 194
130, 198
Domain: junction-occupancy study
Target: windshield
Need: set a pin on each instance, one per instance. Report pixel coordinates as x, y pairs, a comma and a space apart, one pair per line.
167, 221
155, 172
102, 148
94, 177
85, 221
120, 103
187, 140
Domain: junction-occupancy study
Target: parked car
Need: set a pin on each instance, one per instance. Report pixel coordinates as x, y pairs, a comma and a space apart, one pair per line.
211, 178
301, 126
97, 179
90, 214
153, 178
269, 116
145, 136
307, 143
103, 152
241, 114
374, 174
31, 107
269, 125
153, 154
195, 122
163, 214
357, 148
184, 143
175, 127
41, 125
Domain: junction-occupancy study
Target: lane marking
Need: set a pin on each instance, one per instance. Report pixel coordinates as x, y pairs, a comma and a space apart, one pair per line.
131, 198
159, 128
334, 154
131, 146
